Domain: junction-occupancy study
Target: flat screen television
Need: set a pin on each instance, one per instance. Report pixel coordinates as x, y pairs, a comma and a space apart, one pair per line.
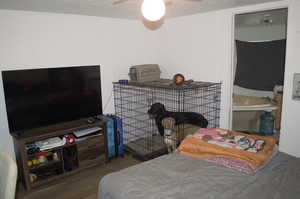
41, 97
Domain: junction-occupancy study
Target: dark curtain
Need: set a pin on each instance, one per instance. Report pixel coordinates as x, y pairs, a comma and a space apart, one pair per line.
260, 65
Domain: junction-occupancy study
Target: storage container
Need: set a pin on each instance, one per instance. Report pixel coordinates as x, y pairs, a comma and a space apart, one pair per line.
144, 73
266, 126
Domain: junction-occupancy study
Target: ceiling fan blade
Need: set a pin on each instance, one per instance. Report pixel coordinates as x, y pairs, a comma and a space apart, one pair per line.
118, 1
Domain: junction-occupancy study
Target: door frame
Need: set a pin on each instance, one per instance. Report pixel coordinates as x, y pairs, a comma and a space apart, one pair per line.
244, 10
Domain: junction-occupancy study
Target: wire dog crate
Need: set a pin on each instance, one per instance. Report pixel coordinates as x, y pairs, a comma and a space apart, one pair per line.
133, 100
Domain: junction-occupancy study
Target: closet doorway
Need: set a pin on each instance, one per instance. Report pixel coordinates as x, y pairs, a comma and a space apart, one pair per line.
258, 71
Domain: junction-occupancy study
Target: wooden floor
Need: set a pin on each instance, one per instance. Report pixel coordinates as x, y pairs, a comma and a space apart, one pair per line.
83, 185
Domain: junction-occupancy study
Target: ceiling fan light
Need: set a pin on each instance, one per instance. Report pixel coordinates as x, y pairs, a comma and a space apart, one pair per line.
153, 10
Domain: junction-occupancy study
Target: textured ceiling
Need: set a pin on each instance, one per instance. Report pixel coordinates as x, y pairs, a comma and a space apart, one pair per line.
129, 9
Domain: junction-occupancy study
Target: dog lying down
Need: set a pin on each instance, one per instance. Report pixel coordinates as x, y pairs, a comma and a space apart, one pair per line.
167, 120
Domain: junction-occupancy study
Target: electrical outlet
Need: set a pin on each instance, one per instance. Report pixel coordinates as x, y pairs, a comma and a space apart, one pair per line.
296, 87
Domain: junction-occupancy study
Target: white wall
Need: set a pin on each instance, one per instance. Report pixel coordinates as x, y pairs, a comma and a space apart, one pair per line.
34, 40
187, 46
290, 135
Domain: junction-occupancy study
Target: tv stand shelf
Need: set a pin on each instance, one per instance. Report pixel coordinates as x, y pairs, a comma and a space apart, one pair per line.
63, 160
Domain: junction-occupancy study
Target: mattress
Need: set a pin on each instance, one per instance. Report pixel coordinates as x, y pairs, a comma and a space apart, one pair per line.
176, 176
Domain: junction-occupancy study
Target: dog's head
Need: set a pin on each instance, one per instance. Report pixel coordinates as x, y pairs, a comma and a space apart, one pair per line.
156, 109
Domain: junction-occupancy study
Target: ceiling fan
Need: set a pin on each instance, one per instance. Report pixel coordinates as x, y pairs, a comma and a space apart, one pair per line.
152, 10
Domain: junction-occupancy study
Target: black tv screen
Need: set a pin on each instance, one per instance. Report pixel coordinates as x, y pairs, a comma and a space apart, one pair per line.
40, 97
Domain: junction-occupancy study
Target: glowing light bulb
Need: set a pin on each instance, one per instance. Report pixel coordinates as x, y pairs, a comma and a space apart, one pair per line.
153, 10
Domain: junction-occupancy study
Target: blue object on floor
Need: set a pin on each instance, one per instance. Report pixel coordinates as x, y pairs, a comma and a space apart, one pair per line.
266, 126
110, 135
119, 138
115, 135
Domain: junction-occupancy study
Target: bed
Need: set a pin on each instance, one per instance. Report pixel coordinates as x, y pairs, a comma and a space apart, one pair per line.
176, 176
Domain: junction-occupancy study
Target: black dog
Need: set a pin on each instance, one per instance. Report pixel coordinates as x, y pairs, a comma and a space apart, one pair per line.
158, 112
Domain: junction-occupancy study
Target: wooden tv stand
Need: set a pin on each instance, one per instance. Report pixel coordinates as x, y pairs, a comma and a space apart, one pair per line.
81, 154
